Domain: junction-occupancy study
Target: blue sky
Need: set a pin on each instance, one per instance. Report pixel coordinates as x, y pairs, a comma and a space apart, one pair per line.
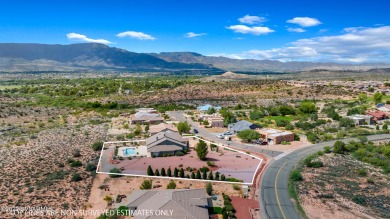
299, 30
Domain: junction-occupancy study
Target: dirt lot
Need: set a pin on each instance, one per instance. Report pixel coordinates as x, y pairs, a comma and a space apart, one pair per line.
337, 191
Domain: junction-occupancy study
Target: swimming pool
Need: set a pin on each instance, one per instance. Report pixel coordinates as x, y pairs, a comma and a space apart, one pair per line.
129, 151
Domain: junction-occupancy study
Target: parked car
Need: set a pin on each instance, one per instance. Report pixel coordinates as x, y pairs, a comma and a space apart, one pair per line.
221, 136
264, 143
227, 133
196, 131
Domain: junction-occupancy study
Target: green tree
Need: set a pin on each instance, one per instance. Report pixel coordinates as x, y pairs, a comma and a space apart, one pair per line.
201, 150
176, 172
307, 108
211, 176
211, 110
147, 128
217, 175
171, 185
204, 175
181, 173
192, 175
198, 174
150, 171
363, 97
339, 147
169, 172
209, 188
138, 129
384, 127
378, 97
346, 122
183, 127
286, 110
156, 172
228, 117
146, 185
377, 127
223, 178
248, 135
163, 173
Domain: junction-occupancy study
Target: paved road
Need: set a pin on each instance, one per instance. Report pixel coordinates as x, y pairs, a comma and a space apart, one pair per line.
178, 115
274, 198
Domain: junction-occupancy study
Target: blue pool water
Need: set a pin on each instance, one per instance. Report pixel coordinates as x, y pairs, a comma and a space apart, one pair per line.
130, 151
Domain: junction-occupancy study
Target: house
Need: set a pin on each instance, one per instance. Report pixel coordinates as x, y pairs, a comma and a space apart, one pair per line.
162, 127
181, 203
206, 107
241, 126
215, 122
274, 136
146, 116
383, 107
361, 119
377, 115
166, 143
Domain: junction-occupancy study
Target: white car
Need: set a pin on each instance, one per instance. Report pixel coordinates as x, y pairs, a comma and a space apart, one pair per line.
221, 136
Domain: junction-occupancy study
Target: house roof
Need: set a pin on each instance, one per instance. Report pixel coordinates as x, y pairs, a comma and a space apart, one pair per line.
162, 127
159, 139
146, 116
185, 203
358, 116
376, 114
242, 125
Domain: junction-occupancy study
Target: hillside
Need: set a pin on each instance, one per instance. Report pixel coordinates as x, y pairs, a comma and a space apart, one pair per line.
86, 56
237, 65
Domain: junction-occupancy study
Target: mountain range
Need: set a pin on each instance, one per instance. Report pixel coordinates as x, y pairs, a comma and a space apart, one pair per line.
18, 57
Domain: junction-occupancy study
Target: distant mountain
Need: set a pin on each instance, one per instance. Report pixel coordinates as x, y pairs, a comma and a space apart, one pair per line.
84, 56
252, 65
94, 56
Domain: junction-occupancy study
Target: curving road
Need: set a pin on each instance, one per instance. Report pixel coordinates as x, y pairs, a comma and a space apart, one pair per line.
178, 115
274, 198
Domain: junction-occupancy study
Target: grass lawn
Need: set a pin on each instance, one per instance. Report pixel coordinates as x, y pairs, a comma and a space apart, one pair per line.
278, 118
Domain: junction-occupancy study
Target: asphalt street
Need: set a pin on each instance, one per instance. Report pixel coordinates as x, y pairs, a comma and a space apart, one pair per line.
274, 198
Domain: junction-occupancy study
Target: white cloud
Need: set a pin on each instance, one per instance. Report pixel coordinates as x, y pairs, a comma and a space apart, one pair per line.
284, 54
356, 44
248, 19
136, 35
304, 21
256, 30
296, 30
192, 34
80, 37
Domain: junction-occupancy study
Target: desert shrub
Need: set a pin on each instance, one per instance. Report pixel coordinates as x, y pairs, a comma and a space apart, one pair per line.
116, 171
76, 163
76, 177
296, 175
97, 146
146, 185
171, 185
362, 172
